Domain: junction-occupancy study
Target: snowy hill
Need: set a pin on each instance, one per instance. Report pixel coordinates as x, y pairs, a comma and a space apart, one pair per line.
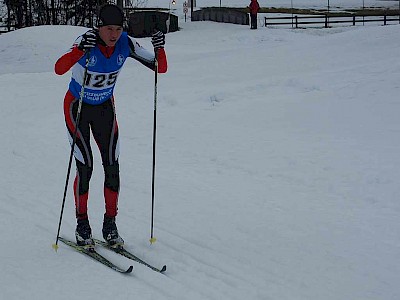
278, 167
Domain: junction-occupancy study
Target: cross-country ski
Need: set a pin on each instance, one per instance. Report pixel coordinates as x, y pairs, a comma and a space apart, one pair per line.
96, 256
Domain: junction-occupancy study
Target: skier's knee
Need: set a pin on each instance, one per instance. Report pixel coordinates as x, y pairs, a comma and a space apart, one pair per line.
84, 173
111, 177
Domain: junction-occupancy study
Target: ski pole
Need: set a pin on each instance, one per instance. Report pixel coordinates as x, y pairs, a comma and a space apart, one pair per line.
78, 116
152, 238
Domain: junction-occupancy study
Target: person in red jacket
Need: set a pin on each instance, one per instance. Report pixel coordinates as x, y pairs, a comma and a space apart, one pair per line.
97, 57
254, 8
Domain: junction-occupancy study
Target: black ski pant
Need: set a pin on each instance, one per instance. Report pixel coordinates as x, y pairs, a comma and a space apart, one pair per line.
253, 20
100, 120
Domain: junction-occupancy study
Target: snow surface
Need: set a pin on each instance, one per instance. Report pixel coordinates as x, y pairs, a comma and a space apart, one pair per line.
278, 166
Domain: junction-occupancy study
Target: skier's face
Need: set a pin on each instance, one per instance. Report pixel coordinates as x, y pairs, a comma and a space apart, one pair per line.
110, 34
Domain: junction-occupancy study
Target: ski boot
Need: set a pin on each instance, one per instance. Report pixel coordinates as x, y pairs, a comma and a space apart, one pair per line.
83, 235
110, 233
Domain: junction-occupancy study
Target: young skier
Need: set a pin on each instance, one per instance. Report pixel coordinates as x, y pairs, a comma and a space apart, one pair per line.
105, 48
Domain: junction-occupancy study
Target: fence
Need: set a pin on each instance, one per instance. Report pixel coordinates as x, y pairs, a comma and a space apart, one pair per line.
224, 15
4, 29
328, 20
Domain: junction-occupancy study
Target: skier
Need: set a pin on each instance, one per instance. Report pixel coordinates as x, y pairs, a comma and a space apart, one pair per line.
254, 8
102, 51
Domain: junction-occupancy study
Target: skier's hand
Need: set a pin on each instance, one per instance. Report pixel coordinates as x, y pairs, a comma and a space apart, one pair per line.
158, 40
89, 40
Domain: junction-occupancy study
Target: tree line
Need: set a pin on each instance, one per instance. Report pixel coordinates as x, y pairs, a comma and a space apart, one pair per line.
16, 14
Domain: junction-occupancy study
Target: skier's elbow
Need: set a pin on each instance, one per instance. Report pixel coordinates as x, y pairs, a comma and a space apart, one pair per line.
58, 68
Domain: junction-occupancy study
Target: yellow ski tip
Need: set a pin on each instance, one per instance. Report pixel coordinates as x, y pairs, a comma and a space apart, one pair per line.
55, 247
153, 240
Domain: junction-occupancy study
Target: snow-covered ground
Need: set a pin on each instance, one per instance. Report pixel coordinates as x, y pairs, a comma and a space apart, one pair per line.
278, 166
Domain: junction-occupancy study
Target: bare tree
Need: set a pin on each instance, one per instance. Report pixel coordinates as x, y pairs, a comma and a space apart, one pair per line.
20, 13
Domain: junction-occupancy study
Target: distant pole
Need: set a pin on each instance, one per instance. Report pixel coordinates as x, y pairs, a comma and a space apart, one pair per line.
327, 16
291, 3
169, 14
363, 12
